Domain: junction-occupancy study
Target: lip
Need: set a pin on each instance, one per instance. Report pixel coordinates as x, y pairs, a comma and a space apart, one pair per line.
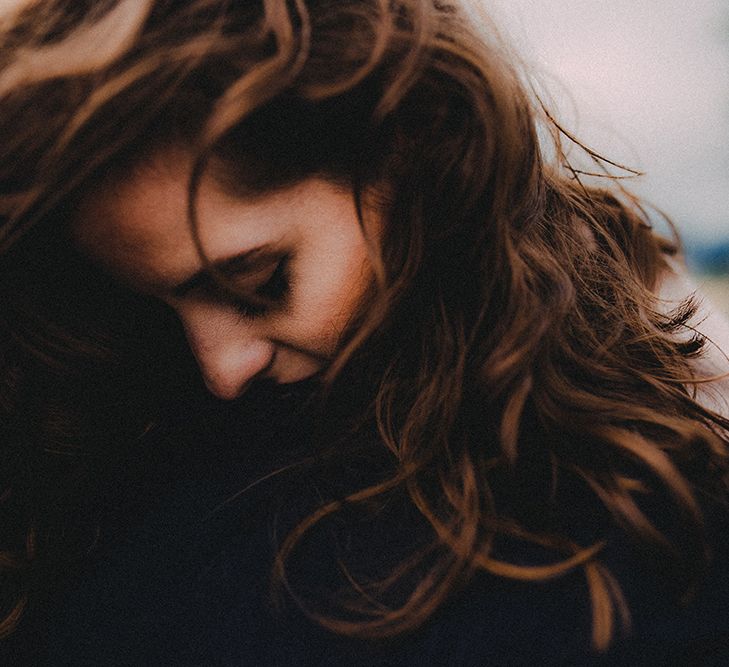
297, 381
294, 385
271, 391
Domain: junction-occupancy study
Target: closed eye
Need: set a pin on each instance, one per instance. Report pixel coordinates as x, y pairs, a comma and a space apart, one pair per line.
263, 290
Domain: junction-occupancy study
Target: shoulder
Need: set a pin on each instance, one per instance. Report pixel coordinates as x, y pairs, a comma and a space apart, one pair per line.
712, 367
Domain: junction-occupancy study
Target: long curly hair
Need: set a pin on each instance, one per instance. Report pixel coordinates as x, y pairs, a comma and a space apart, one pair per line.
513, 349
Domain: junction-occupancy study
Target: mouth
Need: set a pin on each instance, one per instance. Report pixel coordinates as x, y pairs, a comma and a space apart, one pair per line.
307, 385
286, 391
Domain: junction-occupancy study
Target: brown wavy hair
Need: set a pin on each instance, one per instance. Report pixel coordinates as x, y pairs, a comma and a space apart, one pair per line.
513, 346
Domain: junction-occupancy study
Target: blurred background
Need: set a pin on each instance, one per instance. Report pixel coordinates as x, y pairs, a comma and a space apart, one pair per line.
645, 83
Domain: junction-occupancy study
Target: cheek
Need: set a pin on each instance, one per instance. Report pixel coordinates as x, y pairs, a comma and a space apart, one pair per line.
329, 294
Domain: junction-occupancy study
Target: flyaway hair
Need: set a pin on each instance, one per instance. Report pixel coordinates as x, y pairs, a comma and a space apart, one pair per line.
513, 354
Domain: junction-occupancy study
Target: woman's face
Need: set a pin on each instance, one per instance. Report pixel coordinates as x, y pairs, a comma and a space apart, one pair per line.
299, 254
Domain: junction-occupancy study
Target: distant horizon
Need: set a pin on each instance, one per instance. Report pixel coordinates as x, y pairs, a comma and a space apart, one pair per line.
711, 258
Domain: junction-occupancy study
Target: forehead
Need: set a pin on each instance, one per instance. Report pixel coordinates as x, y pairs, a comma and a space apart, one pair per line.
125, 209
137, 225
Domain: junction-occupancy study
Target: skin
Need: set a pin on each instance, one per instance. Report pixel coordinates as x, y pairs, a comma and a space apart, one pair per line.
137, 230
307, 237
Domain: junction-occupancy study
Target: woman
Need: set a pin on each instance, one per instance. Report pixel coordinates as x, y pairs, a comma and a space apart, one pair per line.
467, 416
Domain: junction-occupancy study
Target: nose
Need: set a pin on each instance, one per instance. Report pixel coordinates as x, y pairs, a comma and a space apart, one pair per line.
228, 350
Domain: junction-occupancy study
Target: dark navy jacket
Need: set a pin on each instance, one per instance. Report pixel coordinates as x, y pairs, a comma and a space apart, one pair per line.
177, 583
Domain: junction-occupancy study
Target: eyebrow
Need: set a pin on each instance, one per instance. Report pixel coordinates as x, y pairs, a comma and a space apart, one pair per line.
229, 266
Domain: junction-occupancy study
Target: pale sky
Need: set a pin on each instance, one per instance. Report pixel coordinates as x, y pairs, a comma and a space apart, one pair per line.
644, 82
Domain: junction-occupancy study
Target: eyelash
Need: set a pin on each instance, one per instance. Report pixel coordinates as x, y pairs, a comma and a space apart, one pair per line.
273, 292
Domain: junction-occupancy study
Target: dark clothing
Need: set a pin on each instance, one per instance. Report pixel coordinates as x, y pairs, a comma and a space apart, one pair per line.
179, 584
